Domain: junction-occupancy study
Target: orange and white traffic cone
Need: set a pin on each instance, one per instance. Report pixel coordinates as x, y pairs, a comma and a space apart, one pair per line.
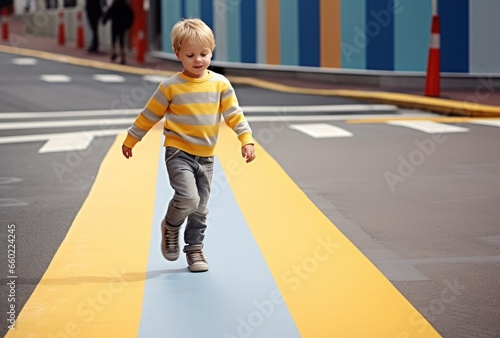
61, 34
433, 78
141, 47
80, 43
5, 24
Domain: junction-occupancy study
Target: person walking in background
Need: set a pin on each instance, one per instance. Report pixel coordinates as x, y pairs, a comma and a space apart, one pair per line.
121, 15
94, 9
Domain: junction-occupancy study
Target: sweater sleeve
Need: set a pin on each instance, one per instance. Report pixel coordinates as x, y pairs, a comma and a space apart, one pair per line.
153, 112
233, 116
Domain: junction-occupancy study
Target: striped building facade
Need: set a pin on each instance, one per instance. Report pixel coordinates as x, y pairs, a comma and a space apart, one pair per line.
389, 35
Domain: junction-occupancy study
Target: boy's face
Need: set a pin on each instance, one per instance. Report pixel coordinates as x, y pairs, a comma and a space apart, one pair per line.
195, 58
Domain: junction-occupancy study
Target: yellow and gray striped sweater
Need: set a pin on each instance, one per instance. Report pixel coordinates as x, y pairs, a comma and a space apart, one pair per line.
192, 109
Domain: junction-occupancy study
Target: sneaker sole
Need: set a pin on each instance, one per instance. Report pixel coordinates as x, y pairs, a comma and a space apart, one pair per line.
201, 268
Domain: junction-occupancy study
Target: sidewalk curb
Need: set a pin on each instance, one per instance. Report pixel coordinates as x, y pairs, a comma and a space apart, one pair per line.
437, 105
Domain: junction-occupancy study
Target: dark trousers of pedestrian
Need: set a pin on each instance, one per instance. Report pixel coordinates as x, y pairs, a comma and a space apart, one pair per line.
94, 27
118, 35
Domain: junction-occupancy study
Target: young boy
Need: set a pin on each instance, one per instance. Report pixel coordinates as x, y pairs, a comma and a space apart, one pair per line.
192, 103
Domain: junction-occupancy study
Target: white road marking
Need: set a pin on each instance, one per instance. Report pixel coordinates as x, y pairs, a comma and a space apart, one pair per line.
55, 78
321, 130
429, 127
492, 123
68, 142
155, 78
11, 202
62, 141
283, 110
277, 113
109, 78
70, 123
24, 61
311, 118
76, 113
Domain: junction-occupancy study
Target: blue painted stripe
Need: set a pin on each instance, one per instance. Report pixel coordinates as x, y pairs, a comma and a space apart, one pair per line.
233, 30
192, 9
379, 30
248, 19
207, 13
237, 297
289, 28
454, 15
309, 33
170, 14
183, 8
412, 35
353, 39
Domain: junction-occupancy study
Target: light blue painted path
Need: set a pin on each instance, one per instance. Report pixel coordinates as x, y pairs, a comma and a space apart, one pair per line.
237, 297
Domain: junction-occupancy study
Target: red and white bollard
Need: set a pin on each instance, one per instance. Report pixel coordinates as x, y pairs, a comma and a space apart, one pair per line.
5, 24
141, 47
80, 43
61, 34
433, 78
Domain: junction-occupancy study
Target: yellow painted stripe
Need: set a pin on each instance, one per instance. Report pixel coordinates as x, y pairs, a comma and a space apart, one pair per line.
331, 290
439, 105
83, 62
95, 283
330, 33
433, 119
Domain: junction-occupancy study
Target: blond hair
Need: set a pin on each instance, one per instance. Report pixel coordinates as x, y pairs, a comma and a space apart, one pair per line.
194, 31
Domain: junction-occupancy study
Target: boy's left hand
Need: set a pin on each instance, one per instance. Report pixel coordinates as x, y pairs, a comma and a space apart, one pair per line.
248, 152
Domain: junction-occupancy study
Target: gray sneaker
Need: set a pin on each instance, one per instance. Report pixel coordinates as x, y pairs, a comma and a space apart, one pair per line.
169, 241
195, 258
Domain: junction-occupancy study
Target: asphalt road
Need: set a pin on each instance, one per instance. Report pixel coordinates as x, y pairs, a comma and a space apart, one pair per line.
42, 192
422, 207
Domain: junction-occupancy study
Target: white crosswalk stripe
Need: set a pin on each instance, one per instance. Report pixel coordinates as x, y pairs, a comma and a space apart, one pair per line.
321, 130
55, 78
66, 123
109, 78
154, 78
25, 61
61, 141
429, 127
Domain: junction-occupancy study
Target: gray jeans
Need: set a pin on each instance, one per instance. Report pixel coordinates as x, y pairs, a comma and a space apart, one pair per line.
190, 176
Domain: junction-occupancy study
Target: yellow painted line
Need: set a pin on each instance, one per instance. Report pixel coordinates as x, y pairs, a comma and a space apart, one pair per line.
331, 289
83, 62
94, 285
433, 119
439, 105
444, 106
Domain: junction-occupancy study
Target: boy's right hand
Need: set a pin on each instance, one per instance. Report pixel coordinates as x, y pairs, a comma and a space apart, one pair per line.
127, 152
